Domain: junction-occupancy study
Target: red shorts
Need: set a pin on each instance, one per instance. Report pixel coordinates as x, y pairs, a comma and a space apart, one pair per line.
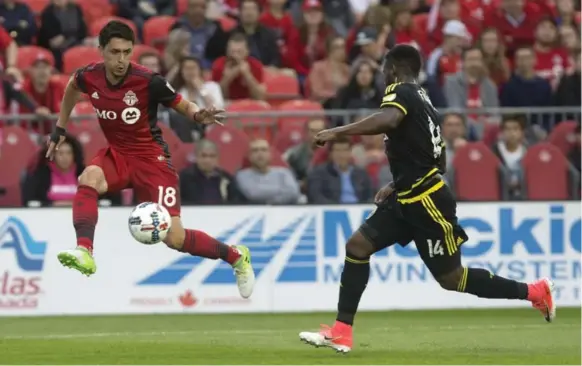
152, 179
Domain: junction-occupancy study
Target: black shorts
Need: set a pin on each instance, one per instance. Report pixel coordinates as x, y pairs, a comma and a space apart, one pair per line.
431, 221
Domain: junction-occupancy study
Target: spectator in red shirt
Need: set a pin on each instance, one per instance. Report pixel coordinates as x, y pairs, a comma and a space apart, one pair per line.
551, 61
9, 49
403, 30
239, 75
516, 22
46, 93
496, 64
330, 74
279, 20
446, 59
449, 10
313, 34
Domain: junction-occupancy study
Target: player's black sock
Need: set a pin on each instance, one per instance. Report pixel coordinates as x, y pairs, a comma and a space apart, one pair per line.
353, 283
483, 283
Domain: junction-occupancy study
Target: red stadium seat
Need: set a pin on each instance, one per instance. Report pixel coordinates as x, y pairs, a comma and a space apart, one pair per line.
91, 138
276, 159
285, 140
95, 9
156, 30
281, 88
233, 146
170, 137
546, 173
563, 136
79, 56
477, 173
16, 151
140, 49
182, 6
27, 55
184, 156
254, 127
490, 133
310, 108
62, 79
97, 24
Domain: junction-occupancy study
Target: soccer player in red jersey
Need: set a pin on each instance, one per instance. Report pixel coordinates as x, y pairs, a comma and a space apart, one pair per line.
126, 97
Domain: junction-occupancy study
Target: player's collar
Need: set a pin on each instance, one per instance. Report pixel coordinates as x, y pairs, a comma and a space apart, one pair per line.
120, 83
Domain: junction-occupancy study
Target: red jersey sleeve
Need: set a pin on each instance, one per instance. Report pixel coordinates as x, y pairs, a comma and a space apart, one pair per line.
162, 92
5, 39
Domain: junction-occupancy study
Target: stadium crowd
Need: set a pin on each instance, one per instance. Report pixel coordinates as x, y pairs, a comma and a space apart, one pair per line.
286, 69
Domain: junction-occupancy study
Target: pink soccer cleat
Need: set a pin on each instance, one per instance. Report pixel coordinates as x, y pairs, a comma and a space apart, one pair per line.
338, 337
540, 295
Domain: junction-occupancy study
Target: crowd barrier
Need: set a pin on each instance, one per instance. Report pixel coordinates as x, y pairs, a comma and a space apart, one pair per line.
298, 254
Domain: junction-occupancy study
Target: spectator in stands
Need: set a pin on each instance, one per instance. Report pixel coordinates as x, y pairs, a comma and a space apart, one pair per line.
516, 20
191, 85
12, 92
177, 48
204, 183
551, 60
44, 92
511, 149
330, 74
339, 181
566, 13
569, 38
54, 183
471, 88
280, 21
9, 51
568, 92
313, 33
240, 76
138, 11
18, 20
496, 64
337, 13
454, 133
525, 88
207, 38
450, 10
151, 61
62, 27
262, 41
262, 183
362, 92
446, 60
299, 156
378, 18
403, 28
369, 155
368, 49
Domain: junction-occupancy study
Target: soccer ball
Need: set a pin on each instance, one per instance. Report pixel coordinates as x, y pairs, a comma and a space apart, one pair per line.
149, 223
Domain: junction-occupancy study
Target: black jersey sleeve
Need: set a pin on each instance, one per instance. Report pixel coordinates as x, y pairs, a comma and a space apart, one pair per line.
162, 92
397, 95
79, 78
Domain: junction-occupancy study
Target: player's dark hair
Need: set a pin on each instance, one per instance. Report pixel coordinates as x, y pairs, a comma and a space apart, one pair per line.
115, 29
405, 58
470, 49
344, 140
521, 119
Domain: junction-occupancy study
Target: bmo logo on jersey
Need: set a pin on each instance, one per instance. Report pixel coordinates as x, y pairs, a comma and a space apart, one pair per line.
130, 115
108, 115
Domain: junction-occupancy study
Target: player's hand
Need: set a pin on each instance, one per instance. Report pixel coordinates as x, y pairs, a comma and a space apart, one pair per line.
383, 193
324, 136
209, 116
244, 67
55, 141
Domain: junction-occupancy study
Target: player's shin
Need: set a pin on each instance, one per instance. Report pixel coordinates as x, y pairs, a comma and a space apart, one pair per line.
201, 244
483, 283
354, 279
85, 213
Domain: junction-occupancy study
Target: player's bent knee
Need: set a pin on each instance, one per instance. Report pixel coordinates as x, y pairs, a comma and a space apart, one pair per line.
93, 177
359, 246
450, 281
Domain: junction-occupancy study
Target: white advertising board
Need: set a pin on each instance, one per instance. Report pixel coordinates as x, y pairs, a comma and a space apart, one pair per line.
297, 254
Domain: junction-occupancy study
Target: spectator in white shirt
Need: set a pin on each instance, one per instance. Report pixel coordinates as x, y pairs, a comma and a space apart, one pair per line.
511, 149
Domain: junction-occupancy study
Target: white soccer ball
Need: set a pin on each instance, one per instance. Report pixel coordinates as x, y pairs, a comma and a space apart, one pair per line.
149, 223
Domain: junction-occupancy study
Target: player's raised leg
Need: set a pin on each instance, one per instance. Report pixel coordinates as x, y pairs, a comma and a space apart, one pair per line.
92, 183
382, 229
198, 243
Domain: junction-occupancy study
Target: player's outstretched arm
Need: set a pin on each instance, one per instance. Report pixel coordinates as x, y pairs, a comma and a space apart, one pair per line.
378, 123
205, 116
72, 95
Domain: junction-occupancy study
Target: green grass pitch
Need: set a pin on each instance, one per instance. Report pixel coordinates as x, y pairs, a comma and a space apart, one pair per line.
517, 336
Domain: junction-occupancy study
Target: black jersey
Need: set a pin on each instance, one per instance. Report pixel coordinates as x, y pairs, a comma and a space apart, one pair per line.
413, 148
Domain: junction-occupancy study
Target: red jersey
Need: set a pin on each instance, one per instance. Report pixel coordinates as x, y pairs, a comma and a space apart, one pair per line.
515, 32
287, 38
552, 64
128, 111
51, 98
238, 88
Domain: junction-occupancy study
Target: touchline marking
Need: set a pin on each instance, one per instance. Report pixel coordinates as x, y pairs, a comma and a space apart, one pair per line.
273, 331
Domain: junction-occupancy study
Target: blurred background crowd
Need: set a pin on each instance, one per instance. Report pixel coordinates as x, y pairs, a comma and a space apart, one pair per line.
505, 73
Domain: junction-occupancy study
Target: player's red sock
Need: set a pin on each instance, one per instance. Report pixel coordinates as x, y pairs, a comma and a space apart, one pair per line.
85, 216
201, 244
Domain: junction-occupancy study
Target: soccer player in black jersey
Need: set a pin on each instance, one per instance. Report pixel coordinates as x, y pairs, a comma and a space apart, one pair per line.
417, 206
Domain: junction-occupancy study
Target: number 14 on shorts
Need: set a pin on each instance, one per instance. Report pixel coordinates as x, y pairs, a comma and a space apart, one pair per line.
434, 248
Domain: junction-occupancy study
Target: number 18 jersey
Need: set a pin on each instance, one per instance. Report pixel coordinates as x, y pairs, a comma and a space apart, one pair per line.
414, 147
